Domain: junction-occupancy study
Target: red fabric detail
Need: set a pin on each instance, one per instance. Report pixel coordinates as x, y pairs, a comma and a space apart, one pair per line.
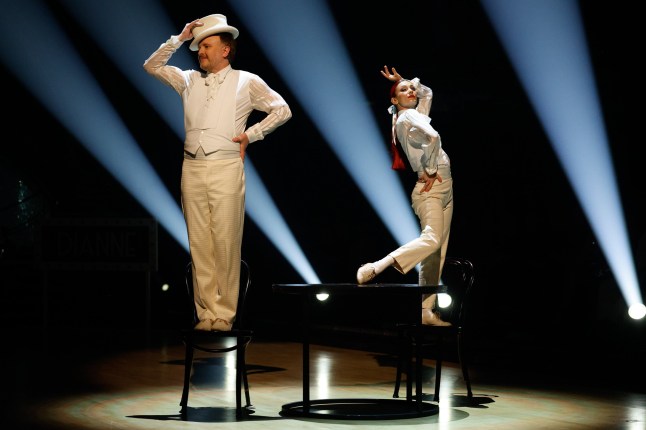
398, 159
395, 149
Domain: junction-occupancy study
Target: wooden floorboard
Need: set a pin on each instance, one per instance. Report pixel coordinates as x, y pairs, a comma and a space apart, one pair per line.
63, 379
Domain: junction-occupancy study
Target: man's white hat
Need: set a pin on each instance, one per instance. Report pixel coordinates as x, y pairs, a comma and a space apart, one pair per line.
213, 24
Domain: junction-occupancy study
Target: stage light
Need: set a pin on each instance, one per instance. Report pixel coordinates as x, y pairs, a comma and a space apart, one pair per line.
545, 42
637, 311
444, 300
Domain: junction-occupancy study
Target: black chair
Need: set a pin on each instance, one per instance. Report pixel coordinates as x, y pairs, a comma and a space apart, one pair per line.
458, 277
220, 342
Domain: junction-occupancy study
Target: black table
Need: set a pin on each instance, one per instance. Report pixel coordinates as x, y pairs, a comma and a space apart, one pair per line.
407, 295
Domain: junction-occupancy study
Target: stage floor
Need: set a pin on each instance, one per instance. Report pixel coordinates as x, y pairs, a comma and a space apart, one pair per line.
124, 380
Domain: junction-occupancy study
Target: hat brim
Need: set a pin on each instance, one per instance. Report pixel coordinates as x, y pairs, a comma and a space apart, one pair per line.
210, 32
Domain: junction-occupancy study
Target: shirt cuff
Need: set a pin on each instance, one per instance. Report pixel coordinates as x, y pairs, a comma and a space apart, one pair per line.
174, 41
429, 171
254, 134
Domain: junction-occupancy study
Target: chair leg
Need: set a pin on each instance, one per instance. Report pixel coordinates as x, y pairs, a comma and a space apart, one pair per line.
438, 370
398, 377
411, 358
239, 372
402, 356
188, 365
463, 364
242, 381
245, 381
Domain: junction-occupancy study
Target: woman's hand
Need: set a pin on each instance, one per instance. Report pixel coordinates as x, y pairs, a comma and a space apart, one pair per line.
429, 180
391, 75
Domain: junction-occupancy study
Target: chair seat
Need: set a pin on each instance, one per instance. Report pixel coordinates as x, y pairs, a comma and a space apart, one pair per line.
217, 341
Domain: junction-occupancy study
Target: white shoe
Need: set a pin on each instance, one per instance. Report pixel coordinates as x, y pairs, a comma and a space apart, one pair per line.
432, 318
366, 273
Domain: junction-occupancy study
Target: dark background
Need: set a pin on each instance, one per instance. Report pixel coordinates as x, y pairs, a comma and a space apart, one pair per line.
542, 282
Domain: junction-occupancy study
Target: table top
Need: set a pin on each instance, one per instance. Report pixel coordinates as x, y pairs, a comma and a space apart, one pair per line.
344, 288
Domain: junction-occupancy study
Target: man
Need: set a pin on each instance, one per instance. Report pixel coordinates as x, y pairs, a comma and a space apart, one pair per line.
217, 103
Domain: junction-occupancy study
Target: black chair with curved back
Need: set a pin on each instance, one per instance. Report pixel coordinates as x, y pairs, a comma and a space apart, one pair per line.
220, 342
458, 277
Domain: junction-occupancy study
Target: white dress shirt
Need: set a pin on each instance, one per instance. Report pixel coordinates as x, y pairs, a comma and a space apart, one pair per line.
420, 141
217, 106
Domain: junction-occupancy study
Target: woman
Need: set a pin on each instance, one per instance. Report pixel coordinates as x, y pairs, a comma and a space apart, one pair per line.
432, 196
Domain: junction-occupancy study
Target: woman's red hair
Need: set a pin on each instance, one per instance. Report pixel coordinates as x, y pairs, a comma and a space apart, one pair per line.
394, 88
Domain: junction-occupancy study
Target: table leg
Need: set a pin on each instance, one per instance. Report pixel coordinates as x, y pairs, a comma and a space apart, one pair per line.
306, 353
408, 339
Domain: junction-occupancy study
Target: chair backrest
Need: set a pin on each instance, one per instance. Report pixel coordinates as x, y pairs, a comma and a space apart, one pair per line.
245, 282
458, 275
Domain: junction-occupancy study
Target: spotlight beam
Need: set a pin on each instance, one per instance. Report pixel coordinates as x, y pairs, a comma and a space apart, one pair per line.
348, 127
99, 18
68, 90
272, 223
546, 44
142, 40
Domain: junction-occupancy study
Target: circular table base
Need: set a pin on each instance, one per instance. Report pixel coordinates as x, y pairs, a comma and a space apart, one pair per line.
360, 409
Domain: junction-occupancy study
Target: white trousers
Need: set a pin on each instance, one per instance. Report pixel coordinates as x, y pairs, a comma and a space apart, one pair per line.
213, 202
435, 211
